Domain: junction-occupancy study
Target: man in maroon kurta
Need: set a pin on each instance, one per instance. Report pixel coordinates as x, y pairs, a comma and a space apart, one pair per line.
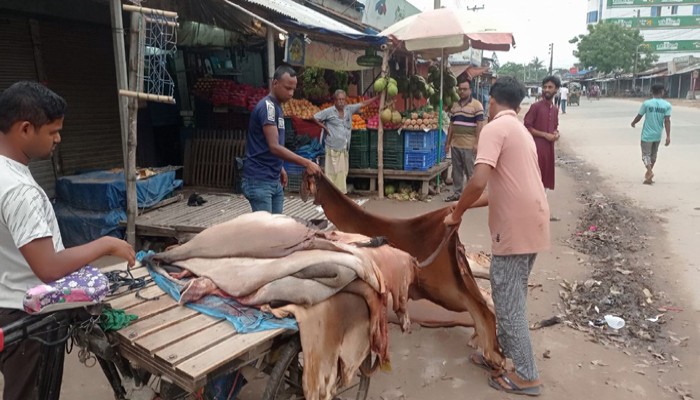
542, 120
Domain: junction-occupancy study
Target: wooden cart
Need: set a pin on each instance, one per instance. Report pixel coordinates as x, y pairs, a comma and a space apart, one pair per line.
190, 349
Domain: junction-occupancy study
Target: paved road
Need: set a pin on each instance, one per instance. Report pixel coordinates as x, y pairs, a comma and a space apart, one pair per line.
600, 133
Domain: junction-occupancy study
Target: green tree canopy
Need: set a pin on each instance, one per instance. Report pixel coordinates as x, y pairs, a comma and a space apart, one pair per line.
512, 69
610, 47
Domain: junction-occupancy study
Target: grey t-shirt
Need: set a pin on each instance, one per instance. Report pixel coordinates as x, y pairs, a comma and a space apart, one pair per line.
340, 128
26, 214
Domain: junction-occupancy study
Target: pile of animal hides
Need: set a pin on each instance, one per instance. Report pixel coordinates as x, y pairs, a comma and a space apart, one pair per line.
337, 286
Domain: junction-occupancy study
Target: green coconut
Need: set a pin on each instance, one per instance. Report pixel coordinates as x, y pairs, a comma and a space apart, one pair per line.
380, 85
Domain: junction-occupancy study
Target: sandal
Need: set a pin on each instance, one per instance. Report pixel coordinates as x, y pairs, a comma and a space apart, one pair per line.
454, 197
480, 361
504, 384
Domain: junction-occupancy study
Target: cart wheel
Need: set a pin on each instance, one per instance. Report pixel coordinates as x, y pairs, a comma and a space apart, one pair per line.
286, 377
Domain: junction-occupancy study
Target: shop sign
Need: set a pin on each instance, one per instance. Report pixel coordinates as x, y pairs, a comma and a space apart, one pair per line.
649, 3
381, 14
686, 21
674, 45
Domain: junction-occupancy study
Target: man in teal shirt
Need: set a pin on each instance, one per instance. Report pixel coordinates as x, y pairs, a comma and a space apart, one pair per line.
657, 112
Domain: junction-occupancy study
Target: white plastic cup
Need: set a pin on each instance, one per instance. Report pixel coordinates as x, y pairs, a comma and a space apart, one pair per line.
614, 322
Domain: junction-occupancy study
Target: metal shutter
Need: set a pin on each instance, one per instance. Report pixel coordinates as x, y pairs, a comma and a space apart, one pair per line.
18, 64
79, 64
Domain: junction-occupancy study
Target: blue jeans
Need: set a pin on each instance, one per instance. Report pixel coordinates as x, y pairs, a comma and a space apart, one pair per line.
563, 106
264, 195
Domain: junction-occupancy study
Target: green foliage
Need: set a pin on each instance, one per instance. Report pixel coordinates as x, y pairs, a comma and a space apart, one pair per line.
611, 47
532, 72
313, 84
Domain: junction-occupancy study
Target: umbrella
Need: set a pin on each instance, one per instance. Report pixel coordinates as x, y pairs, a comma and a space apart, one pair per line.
450, 30
445, 31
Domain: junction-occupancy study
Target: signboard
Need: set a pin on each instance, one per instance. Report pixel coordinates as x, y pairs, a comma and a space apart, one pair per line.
666, 46
649, 3
296, 50
685, 21
381, 14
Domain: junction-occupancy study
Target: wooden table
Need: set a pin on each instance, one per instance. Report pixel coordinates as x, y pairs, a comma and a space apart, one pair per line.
179, 343
178, 219
424, 176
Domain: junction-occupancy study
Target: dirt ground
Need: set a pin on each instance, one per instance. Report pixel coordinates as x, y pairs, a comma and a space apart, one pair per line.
604, 247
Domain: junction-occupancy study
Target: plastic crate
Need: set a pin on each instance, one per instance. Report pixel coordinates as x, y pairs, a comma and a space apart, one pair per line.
293, 169
393, 140
441, 146
359, 158
419, 160
392, 159
293, 183
288, 126
419, 140
359, 139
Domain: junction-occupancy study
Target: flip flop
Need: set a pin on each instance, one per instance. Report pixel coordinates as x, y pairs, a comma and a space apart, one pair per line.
512, 388
480, 361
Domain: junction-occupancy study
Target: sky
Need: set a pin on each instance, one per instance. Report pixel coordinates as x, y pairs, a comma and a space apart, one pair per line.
534, 23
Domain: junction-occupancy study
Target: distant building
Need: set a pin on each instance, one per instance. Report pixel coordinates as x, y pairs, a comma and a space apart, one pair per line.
671, 27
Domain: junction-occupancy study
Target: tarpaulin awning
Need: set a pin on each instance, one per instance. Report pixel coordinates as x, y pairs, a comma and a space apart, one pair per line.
471, 71
299, 15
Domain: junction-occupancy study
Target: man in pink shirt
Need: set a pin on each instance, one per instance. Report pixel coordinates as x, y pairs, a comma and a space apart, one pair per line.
519, 225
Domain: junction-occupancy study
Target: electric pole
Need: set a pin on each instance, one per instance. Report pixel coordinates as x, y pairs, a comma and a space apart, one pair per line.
436, 4
551, 57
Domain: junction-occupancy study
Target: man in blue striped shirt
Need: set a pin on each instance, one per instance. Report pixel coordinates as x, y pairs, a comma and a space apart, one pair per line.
462, 137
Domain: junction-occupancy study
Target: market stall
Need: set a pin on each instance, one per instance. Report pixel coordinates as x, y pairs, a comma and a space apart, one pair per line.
435, 34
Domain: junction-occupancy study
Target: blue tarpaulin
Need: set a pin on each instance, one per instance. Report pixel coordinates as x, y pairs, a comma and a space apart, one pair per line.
82, 226
106, 190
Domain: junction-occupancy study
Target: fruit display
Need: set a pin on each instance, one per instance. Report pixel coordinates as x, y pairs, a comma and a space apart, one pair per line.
373, 123
390, 118
358, 123
417, 87
370, 111
421, 121
300, 108
221, 92
450, 94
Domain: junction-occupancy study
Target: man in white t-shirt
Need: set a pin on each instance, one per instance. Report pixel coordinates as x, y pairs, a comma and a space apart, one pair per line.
564, 96
31, 249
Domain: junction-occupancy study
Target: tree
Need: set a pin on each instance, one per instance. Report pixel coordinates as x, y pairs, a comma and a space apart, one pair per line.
610, 47
538, 66
512, 69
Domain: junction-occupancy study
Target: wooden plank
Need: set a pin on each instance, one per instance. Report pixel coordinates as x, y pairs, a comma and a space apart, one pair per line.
226, 351
197, 343
126, 302
148, 308
143, 327
175, 332
152, 365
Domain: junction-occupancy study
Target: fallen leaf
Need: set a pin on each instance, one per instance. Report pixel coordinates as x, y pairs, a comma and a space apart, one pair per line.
599, 363
675, 359
547, 354
640, 372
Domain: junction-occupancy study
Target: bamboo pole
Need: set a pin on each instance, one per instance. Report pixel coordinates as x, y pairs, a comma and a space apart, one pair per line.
151, 11
136, 57
147, 96
440, 121
380, 130
120, 66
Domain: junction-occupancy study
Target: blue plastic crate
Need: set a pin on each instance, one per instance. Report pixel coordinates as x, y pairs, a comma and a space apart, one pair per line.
419, 140
419, 160
293, 169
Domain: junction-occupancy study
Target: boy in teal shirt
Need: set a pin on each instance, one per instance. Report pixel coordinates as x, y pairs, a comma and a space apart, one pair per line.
657, 112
